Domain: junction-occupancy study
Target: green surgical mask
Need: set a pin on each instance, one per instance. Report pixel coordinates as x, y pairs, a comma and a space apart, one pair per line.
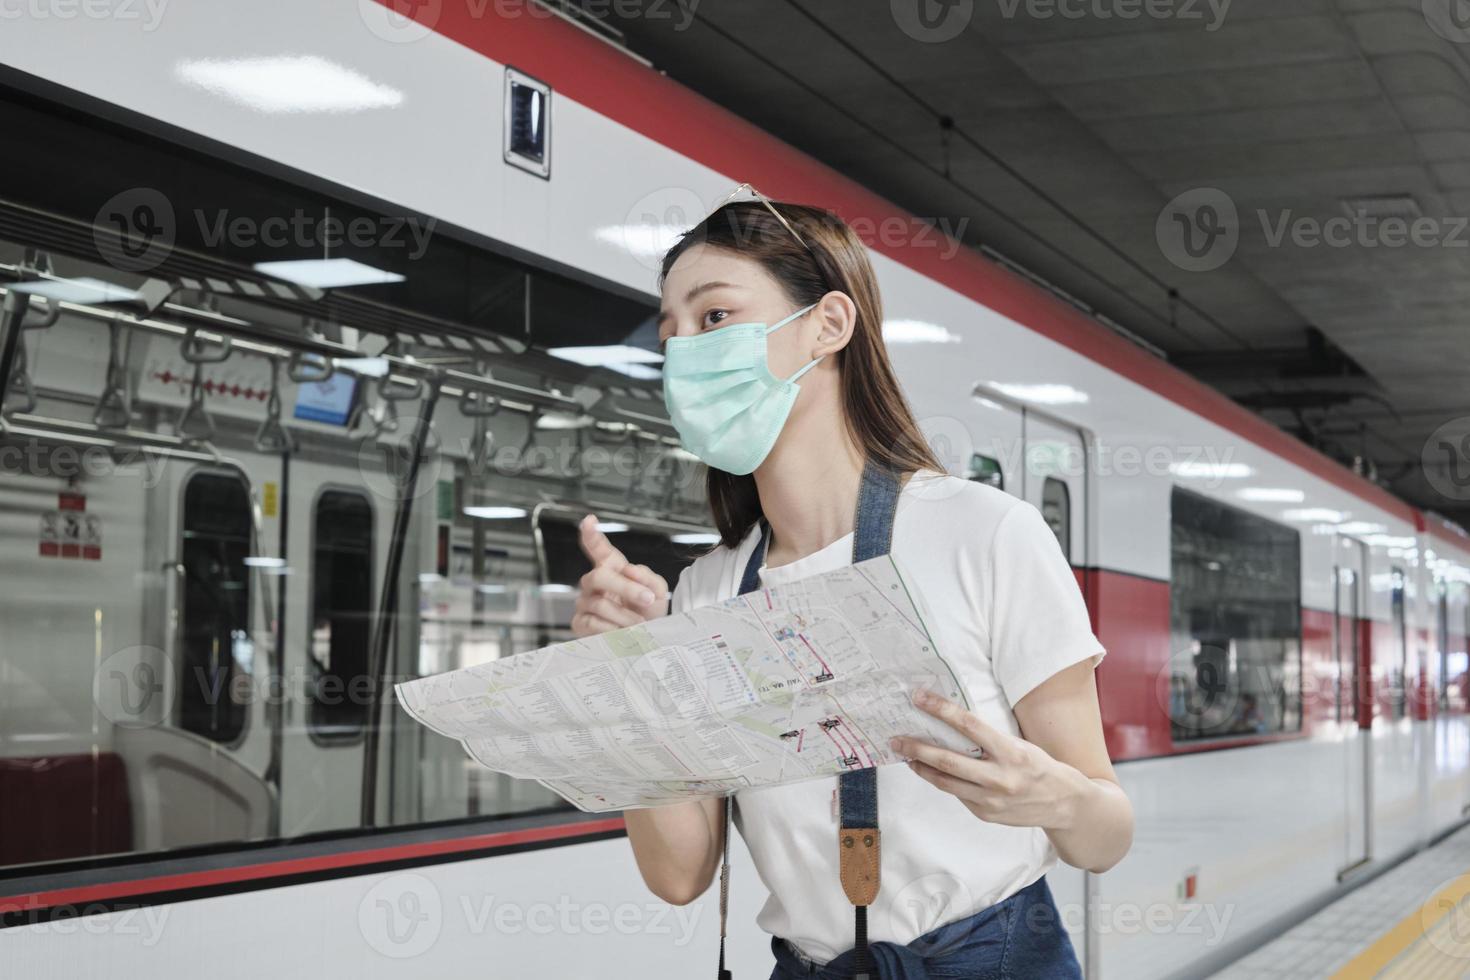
722, 398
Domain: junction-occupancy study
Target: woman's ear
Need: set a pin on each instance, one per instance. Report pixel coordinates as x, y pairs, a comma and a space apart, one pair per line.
835, 318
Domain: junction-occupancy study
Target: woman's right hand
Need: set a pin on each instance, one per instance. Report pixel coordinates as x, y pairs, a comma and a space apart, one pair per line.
615, 593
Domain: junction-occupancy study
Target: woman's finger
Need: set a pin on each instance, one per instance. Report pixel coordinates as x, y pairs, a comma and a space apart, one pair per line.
610, 611
980, 771
604, 580
595, 545
967, 723
647, 576
953, 785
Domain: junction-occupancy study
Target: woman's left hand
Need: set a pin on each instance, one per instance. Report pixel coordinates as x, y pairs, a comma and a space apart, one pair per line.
1016, 783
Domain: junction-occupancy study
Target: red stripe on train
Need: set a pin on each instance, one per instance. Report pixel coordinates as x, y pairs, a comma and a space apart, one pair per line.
144, 887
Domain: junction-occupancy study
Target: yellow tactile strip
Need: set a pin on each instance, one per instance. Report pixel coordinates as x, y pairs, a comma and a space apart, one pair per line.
1431, 943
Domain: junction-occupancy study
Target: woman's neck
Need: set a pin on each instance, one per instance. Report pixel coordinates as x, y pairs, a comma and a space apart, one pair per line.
808, 487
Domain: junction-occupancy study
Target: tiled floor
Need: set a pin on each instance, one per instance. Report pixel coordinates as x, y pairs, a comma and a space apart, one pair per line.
1436, 946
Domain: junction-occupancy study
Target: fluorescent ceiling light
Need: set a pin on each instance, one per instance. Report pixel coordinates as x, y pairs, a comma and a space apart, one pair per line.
695, 537
563, 420
917, 332
556, 588
1271, 495
611, 527
645, 241
1360, 527
264, 561
1202, 470
82, 290
1042, 394
1391, 541
635, 362
368, 367
1312, 514
682, 454
288, 84
494, 512
327, 273
490, 588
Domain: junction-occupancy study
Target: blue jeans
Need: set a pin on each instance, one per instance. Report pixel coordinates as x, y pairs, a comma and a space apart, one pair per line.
1021, 938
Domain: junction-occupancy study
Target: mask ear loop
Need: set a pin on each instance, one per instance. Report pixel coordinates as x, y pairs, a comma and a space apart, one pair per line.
781, 323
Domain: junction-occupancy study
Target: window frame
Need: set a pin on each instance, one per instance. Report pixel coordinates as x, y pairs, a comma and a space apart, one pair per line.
310, 723
1207, 742
176, 715
1064, 539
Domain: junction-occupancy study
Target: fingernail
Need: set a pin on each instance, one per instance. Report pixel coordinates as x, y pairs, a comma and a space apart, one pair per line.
895, 744
922, 697
645, 597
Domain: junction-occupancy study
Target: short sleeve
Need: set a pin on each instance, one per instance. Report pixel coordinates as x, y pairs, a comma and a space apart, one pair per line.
1038, 620
681, 601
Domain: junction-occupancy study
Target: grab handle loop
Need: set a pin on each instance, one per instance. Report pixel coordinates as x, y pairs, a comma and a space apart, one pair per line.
309, 368
396, 388
114, 408
196, 350
195, 423
272, 436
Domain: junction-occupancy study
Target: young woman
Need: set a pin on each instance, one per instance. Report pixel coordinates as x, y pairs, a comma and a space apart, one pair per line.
777, 377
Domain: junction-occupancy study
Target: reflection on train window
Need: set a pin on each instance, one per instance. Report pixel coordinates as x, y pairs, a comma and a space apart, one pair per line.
1398, 670
986, 470
1056, 507
565, 564
214, 626
341, 611
1235, 622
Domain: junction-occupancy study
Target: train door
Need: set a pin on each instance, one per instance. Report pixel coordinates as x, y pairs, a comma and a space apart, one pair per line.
1353, 712
1055, 480
984, 445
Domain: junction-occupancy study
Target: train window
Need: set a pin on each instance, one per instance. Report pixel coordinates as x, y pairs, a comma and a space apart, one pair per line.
341, 611
1235, 620
1399, 669
214, 624
1056, 507
1442, 640
986, 470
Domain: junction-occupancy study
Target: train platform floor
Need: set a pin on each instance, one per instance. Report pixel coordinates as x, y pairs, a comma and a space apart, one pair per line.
1412, 921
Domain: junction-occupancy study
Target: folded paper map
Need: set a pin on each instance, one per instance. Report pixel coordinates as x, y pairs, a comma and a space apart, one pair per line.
791, 682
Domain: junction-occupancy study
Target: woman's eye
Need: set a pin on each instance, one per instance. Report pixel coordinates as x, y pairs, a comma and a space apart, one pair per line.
715, 317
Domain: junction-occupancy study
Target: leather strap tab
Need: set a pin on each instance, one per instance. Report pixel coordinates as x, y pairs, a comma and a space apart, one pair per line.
859, 863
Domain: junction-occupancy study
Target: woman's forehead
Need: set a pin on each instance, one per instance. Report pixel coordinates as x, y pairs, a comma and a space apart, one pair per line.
704, 264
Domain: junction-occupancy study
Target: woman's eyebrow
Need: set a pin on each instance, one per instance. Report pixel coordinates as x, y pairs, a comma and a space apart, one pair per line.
694, 293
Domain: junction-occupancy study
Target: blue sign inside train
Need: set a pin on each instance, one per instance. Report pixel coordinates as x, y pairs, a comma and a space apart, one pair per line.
328, 401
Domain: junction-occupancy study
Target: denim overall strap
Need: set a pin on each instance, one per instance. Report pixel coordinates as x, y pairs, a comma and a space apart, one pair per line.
858, 842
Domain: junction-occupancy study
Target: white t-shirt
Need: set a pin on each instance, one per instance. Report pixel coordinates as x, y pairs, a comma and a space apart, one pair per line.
1007, 615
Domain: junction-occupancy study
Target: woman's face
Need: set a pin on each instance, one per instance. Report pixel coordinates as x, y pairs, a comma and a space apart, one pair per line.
709, 288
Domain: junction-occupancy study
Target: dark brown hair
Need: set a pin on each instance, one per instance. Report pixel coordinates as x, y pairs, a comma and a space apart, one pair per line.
832, 259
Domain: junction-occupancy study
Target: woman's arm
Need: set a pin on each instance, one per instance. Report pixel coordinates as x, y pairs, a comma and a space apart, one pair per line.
1057, 777
677, 847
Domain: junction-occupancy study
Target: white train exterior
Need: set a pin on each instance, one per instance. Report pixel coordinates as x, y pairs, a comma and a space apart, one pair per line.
1238, 834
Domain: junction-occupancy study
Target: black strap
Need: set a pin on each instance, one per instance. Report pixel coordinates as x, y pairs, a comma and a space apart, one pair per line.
857, 791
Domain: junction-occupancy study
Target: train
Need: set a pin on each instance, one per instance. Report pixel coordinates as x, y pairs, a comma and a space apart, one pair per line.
251, 476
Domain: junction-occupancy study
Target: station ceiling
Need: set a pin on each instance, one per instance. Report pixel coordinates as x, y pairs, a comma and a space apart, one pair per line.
1272, 194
